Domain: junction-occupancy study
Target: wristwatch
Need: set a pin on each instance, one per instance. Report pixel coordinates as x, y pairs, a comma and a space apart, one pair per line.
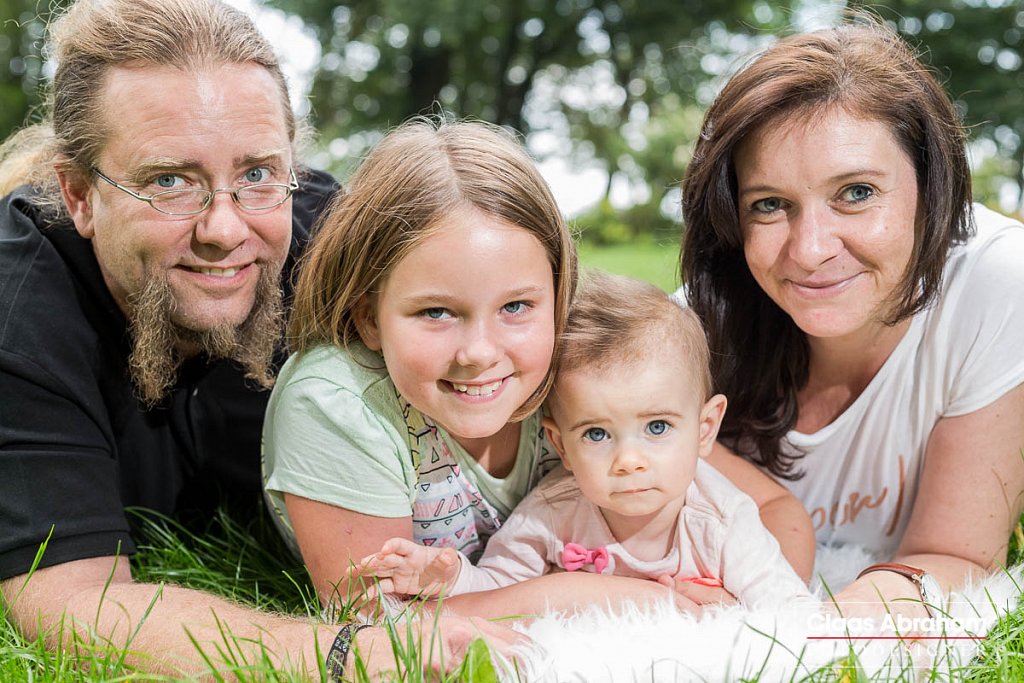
927, 586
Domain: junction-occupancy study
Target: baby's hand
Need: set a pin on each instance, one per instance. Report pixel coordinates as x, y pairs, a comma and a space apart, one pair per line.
407, 568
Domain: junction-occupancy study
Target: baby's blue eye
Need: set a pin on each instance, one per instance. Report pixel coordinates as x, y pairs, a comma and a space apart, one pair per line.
657, 427
595, 434
260, 174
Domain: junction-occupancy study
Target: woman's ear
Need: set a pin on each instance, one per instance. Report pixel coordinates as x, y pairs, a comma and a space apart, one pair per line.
365, 319
76, 189
710, 421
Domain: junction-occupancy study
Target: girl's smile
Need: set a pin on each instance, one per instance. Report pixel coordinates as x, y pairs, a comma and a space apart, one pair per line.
465, 323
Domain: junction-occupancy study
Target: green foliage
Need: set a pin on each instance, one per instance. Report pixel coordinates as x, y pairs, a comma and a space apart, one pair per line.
977, 47
644, 259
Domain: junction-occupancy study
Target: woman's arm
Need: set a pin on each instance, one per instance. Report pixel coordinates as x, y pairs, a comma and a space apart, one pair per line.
781, 512
969, 500
332, 539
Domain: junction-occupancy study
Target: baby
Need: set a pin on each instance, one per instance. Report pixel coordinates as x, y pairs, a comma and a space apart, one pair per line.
631, 416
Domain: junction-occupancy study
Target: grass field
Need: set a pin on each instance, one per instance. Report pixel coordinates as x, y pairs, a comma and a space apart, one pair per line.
654, 262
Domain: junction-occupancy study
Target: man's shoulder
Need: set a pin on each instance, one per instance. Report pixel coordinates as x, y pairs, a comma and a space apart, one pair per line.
39, 301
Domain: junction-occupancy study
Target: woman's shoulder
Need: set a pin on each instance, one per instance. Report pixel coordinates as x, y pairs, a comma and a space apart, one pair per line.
996, 250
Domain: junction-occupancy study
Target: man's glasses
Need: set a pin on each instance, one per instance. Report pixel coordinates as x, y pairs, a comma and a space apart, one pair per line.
259, 197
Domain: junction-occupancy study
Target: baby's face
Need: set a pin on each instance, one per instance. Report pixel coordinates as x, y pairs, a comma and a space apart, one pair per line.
631, 433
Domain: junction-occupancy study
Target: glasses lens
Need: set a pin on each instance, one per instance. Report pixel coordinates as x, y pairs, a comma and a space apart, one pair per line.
180, 201
257, 197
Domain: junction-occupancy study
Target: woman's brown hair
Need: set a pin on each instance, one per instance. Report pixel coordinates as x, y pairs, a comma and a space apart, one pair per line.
759, 358
415, 176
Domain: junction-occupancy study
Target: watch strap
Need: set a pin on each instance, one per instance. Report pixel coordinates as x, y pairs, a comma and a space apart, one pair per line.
914, 574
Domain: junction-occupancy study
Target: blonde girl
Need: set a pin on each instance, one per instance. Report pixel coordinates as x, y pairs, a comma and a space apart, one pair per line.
426, 315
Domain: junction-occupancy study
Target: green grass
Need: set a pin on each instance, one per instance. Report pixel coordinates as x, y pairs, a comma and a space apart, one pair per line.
250, 564
655, 262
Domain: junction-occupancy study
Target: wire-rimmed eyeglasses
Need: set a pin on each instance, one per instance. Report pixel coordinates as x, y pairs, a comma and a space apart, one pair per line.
258, 197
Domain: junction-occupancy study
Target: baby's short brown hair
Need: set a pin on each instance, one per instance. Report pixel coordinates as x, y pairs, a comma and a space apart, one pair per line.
616, 319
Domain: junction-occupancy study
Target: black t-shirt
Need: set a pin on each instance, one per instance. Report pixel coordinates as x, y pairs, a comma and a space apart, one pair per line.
76, 445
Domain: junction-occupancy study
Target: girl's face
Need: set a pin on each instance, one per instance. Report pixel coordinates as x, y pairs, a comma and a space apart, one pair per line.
466, 323
827, 204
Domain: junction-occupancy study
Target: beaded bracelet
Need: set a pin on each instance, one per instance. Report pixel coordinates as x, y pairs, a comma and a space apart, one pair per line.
339, 651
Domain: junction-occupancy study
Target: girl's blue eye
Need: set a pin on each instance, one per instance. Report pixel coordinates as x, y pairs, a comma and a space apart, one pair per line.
434, 313
166, 181
595, 434
767, 205
857, 193
260, 174
514, 307
657, 427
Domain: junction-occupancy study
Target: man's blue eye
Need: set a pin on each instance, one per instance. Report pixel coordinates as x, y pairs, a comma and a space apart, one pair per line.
434, 313
595, 434
657, 427
260, 174
166, 181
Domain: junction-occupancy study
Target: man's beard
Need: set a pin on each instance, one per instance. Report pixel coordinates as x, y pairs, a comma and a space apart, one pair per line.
156, 339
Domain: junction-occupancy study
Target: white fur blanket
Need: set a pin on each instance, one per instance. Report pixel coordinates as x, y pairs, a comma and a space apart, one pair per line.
734, 643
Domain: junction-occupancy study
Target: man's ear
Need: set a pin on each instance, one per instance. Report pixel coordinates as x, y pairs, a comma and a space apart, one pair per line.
710, 421
76, 189
365, 319
555, 437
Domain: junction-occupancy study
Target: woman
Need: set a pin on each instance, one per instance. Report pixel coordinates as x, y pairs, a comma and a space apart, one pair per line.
864, 319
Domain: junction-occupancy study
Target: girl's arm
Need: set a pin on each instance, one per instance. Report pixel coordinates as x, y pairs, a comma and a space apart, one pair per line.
969, 500
781, 512
332, 539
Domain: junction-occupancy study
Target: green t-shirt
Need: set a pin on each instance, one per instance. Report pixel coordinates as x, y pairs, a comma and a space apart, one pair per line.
336, 431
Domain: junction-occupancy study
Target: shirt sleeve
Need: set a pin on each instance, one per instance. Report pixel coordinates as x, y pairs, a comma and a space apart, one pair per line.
517, 552
752, 564
985, 325
323, 442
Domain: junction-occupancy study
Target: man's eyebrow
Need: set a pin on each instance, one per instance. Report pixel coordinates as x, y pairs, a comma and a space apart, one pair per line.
142, 173
260, 156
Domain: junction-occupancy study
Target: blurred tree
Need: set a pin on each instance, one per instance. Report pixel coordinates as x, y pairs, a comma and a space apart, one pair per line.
21, 63
606, 75
977, 46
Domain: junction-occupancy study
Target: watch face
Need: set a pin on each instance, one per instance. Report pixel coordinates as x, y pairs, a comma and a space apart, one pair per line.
931, 592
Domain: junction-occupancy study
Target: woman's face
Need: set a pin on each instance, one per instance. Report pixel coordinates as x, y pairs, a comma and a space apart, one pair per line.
827, 206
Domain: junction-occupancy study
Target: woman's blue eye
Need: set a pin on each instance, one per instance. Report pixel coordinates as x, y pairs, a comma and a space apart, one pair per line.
595, 434
514, 307
857, 193
260, 174
767, 205
657, 427
166, 181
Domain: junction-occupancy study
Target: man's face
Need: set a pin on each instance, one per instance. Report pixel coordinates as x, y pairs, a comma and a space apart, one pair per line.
223, 126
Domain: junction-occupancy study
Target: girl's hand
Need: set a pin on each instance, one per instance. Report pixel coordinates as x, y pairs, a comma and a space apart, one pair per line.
404, 567
697, 592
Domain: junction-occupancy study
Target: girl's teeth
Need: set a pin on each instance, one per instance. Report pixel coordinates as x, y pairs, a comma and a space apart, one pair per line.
477, 389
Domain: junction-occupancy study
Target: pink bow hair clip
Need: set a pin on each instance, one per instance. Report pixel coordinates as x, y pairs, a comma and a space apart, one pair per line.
575, 556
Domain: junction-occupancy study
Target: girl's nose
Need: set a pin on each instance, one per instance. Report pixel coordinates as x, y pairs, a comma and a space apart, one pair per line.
480, 347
